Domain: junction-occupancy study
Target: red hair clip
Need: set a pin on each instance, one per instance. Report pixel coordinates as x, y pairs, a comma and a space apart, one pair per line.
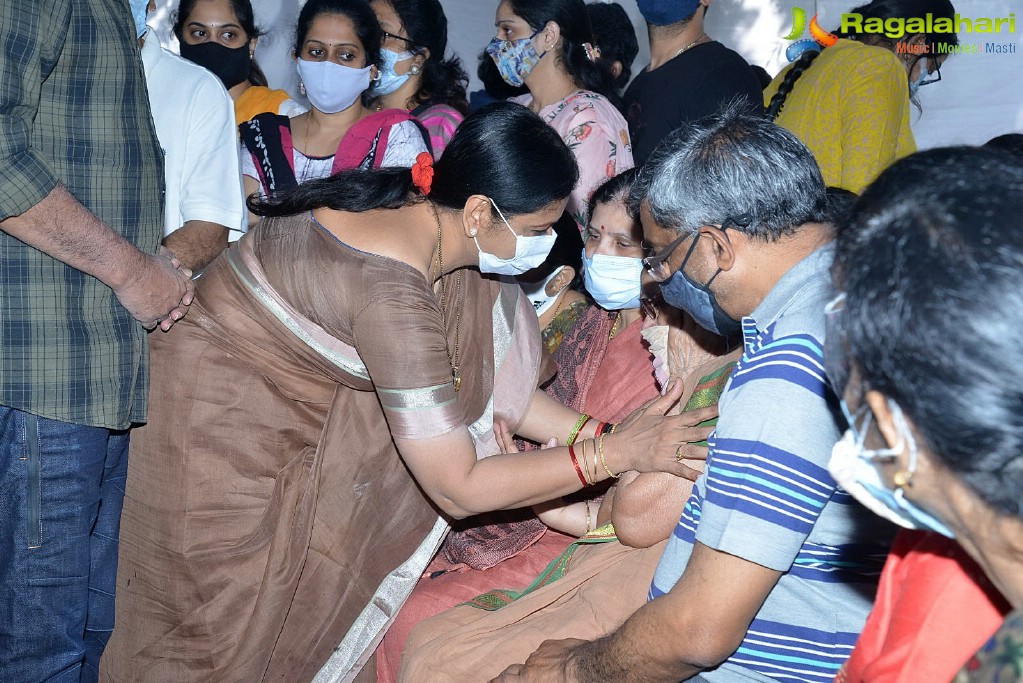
422, 173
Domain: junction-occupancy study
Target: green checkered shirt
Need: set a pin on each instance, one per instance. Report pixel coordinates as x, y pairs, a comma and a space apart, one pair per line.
74, 110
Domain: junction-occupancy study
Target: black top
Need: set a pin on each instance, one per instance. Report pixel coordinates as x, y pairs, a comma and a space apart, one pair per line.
695, 84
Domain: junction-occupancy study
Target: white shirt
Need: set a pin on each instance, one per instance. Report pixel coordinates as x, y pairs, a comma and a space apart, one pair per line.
194, 119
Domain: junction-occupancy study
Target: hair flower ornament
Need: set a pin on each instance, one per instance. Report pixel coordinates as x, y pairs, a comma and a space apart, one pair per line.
592, 51
422, 173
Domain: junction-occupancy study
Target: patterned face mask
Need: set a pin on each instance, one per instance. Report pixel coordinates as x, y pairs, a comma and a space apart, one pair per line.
515, 59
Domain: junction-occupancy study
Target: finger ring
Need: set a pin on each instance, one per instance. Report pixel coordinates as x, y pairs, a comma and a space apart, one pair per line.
678, 453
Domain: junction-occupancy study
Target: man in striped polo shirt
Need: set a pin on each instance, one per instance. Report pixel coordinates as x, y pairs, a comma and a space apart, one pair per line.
771, 571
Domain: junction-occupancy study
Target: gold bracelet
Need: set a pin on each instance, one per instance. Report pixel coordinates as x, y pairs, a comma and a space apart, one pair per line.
596, 473
579, 424
614, 426
603, 463
587, 504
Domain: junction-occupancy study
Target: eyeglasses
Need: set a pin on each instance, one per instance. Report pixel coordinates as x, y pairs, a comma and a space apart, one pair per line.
409, 45
657, 265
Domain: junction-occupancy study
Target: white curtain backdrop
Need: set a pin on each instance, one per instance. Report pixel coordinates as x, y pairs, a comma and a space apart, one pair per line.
979, 96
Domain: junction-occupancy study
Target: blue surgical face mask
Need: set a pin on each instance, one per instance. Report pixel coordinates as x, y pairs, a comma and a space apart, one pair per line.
388, 81
854, 468
698, 301
614, 282
139, 10
515, 59
914, 86
530, 252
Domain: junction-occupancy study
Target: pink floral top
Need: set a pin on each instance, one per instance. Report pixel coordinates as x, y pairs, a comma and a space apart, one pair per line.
598, 136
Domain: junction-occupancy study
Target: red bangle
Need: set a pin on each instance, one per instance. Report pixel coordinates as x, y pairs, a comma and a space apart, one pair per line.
600, 429
575, 464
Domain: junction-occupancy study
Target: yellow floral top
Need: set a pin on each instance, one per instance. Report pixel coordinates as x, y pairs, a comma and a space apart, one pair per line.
851, 108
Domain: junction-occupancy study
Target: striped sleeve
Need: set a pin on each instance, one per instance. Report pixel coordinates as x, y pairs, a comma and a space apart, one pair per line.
767, 480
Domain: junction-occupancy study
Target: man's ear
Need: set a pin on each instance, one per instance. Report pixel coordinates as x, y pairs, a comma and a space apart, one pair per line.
616, 68
561, 280
724, 250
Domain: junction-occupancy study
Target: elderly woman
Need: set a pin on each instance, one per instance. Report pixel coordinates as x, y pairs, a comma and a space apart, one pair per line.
923, 345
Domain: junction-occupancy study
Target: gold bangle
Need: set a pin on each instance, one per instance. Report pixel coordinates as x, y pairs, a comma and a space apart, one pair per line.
579, 424
614, 426
596, 473
586, 470
603, 463
587, 504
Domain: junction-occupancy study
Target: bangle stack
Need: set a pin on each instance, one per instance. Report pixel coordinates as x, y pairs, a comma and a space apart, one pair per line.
589, 475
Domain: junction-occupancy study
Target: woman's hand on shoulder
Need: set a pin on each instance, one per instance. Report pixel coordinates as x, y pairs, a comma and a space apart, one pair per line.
650, 441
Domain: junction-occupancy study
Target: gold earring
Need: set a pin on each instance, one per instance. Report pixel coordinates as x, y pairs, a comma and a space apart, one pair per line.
903, 480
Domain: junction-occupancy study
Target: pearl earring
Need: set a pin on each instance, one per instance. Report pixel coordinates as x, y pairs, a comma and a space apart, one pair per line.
301, 88
415, 70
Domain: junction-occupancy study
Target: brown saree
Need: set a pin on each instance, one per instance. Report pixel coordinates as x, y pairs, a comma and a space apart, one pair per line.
270, 529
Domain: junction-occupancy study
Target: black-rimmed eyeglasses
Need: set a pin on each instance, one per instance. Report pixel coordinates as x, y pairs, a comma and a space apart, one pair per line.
409, 45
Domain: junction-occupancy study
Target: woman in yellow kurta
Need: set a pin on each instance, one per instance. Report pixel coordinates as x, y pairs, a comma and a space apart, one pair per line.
850, 103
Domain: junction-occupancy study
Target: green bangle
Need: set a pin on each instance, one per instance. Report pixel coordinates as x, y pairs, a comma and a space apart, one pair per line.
579, 424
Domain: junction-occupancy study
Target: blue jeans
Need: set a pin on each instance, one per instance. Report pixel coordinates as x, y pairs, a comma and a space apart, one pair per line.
61, 490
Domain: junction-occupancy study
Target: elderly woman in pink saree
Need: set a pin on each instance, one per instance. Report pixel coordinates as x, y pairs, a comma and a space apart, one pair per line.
335, 384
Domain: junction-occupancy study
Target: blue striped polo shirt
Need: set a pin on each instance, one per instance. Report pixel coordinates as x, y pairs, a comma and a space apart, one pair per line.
767, 496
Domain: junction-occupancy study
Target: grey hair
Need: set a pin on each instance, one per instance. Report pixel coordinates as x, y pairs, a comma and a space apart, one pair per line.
728, 164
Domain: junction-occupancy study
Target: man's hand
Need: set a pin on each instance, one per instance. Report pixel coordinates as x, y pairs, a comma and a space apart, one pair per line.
551, 663
159, 292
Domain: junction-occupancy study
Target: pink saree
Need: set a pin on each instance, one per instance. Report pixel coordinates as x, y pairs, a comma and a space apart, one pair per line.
603, 376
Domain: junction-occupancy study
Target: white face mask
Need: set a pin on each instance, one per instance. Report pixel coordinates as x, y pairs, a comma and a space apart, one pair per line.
537, 294
853, 466
530, 252
332, 87
614, 282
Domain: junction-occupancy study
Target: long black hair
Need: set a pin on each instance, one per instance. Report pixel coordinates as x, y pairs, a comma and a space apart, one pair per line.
503, 151
574, 21
364, 21
246, 19
615, 36
877, 9
444, 80
931, 263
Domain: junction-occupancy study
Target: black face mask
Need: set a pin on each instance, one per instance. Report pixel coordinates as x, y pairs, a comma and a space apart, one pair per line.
230, 64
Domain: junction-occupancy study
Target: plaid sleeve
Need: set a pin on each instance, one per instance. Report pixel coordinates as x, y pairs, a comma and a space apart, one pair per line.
31, 35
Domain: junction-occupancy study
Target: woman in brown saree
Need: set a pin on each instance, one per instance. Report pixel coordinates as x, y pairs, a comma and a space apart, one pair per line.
336, 382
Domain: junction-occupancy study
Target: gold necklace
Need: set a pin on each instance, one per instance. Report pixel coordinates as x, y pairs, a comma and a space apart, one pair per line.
557, 306
692, 44
456, 377
614, 327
